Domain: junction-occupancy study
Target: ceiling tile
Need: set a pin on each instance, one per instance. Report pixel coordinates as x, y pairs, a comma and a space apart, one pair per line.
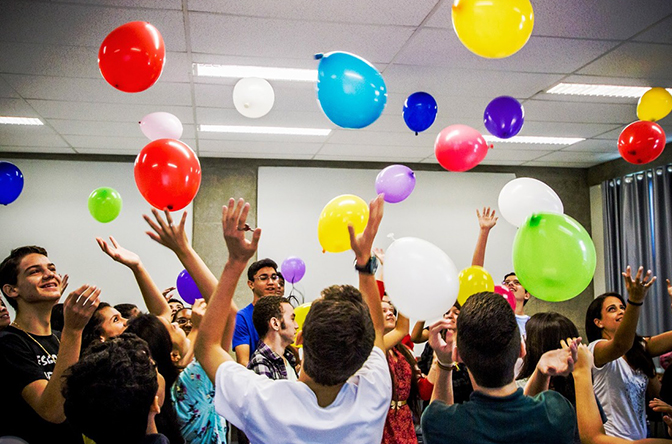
6, 90
562, 129
276, 117
594, 146
111, 129
441, 47
217, 138
659, 33
555, 164
36, 149
256, 147
293, 38
364, 158
16, 108
396, 12
649, 61
19, 135
289, 96
514, 155
559, 111
373, 138
572, 156
381, 152
109, 112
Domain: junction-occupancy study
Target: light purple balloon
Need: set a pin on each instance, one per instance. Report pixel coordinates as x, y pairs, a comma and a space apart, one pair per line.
293, 269
396, 182
187, 288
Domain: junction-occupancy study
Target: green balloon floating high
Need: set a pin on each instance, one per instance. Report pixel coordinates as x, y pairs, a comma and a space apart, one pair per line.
104, 204
553, 257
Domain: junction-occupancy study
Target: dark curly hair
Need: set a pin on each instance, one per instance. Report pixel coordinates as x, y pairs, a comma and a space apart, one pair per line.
109, 392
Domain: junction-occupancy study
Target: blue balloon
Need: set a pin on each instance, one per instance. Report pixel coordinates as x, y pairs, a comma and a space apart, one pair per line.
419, 111
11, 183
350, 90
504, 117
187, 288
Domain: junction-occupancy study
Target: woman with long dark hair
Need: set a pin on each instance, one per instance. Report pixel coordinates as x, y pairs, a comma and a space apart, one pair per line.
624, 369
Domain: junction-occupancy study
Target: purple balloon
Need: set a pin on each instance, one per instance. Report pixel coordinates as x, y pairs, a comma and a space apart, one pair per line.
504, 117
187, 288
396, 182
293, 269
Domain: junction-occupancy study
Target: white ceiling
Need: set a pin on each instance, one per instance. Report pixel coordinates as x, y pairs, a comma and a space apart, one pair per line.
48, 69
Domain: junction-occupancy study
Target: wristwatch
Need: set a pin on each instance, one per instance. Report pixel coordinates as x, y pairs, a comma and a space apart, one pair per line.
370, 267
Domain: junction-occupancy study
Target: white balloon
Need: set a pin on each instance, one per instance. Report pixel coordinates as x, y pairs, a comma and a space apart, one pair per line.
161, 125
420, 278
253, 97
523, 196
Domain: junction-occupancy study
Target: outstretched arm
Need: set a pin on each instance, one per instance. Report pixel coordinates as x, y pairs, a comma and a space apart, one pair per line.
156, 303
614, 348
419, 333
209, 350
400, 331
662, 343
362, 245
174, 237
486, 221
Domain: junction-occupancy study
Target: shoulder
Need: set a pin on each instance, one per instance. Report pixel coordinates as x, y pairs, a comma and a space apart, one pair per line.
11, 339
374, 372
436, 416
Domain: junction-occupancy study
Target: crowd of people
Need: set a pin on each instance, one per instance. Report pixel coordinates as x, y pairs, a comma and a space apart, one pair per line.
85, 371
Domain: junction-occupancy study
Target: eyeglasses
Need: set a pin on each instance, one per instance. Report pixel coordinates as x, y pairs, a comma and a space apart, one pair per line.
265, 277
513, 282
183, 321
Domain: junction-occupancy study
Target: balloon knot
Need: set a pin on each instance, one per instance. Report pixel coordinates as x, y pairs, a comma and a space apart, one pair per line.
318, 56
492, 146
535, 219
416, 133
324, 251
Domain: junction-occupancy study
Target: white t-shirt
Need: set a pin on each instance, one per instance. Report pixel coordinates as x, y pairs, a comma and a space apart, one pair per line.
622, 393
522, 321
282, 411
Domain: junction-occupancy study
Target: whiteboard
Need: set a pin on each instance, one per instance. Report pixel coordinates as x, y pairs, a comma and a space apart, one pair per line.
52, 212
441, 210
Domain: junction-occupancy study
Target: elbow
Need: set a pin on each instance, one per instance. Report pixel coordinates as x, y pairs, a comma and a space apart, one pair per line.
52, 414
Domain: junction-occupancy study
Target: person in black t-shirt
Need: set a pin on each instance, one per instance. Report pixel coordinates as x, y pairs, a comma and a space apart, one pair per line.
32, 356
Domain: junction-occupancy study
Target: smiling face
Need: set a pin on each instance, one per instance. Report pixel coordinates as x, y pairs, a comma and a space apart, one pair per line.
36, 282
521, 295
183, 319
264, 283
451, 315
388, 314
612, 315
177, 336
4, 316
113, 323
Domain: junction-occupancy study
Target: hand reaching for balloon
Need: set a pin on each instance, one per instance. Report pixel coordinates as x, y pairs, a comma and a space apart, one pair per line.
363, 243
444, 348
487, 220
64, 283
167, 293
119, 253
637, 287
234, 218
167, 233
380, 254
197, 313
584, 362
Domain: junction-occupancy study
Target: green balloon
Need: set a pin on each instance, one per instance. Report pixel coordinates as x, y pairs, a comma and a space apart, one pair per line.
104, 204
553, 257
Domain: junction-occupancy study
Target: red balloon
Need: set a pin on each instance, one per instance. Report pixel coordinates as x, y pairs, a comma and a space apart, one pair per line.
168, 174
641, 142
460, 148
131, 57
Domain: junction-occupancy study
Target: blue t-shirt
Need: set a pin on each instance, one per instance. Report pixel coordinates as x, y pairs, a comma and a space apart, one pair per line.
245, 333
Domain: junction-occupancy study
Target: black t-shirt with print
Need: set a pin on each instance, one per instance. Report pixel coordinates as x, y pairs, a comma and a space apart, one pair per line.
23, 361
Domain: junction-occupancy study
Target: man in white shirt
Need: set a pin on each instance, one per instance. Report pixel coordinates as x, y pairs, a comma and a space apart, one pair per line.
343, 393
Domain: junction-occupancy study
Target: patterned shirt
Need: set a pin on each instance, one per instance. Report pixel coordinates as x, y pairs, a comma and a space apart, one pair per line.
266, 362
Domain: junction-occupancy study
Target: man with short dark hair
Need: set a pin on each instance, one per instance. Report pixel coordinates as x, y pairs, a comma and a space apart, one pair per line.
274, 320
344, 391
33, 358
113, 393
522, 297
262, 278
489, 343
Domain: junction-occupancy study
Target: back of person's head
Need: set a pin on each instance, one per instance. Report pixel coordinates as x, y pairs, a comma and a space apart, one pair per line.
109, 391
338, 335
57, 320
126, 310
9, 268
637, 356
149, 328
488, 339
264, 310
544, 333
258, 265
93, 330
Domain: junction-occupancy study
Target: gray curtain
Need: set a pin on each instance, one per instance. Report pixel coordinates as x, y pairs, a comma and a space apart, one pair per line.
638, 231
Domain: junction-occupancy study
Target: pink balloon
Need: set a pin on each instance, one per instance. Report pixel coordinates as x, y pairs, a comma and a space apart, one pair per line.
460, 148
508, 294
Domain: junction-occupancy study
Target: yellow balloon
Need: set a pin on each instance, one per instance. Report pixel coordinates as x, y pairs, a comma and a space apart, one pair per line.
332, 228
474, 280
493, 28
300, 314
654, 105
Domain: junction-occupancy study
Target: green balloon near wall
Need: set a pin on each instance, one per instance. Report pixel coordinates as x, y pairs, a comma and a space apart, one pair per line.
553, 257
104, 204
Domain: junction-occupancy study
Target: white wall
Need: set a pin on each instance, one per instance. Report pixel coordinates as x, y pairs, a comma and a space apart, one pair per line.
52, 212
442, 210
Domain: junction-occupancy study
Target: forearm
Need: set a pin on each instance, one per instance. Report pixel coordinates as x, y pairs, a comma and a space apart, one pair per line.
479, 251
625, 335
204, 278
209, 351
154, 300
419, 334
537, 383
400, 331
443, 387
369, 290
587, 414
659, 344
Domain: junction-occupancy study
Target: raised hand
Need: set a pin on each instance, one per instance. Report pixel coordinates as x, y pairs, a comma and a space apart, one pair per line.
64, 283
363, 243
638, 287
487, 220
444, 348
79, 306
584, 362
167, 293
197, 313
167, 233
234, 219
119, 253
560, 362
380, 254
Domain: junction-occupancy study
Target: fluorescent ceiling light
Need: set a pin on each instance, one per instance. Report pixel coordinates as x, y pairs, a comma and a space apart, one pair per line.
264, 130
263, 72
537, 140
583, 89
20, 121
